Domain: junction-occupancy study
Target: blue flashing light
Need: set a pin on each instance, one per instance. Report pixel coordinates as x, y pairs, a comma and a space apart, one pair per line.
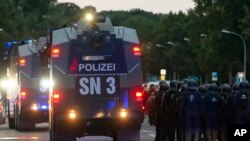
111, 104
8, 44
125, 99
44, 107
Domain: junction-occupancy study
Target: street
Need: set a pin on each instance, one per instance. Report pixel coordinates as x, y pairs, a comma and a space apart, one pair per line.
41, 134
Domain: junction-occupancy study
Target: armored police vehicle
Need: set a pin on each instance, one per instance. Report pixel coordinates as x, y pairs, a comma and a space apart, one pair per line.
96, 70
27, 92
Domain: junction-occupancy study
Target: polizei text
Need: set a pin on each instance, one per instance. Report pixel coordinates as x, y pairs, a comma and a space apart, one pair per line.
94, 67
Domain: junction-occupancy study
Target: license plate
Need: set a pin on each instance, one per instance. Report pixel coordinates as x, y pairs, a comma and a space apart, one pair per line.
98, 85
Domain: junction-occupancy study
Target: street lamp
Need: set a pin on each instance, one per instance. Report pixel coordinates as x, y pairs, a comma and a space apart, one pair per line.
244, 45
161, 46
1, 29
187, 39
170, 43
203, 35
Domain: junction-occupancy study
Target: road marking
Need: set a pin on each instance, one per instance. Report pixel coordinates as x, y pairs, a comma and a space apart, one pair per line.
19, 138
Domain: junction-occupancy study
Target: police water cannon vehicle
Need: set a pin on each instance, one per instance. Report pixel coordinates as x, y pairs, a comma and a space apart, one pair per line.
26, 90
96, 69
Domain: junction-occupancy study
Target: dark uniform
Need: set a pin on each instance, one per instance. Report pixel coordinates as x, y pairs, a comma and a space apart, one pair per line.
241, 104
151, 111
179, 120
213, 102
203, 90
192, 106
159, 111
226, 108
169, 107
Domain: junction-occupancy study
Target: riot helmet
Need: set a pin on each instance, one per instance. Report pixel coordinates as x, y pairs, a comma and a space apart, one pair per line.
244, 85
226, 88
186, 81
192, 84
161, 82
202, 89
183, 88
207, 86
163, 86
179, 84
173, 84
235, 87
213, 88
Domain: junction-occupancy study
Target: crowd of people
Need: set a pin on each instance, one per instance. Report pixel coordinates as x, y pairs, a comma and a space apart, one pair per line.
184, 111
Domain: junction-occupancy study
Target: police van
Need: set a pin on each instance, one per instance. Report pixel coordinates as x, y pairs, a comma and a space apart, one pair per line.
96, 71
26, 90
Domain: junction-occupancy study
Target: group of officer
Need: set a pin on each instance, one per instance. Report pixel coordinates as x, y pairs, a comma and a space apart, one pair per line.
185, 111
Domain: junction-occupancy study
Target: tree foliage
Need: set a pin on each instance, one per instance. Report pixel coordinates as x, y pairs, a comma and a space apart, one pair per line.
198, 56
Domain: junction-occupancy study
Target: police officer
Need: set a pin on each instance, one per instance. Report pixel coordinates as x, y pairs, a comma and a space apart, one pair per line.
179, 85
179, 120
169, 107
213, 101
184, 88
151, 112
241, 103
235, 89
203, 90
227, 102
163, 88
192, 106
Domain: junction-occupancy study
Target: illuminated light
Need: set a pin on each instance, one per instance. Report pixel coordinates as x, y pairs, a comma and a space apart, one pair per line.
143, 107
4, 83
137, 51
34, 107
8, 84
22, 62
99, 115
44, 107
74, 65
72, 114
23, 95
55, 52
123, 113
45, 83
138, 94
8, 44
56, 97
89, 17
